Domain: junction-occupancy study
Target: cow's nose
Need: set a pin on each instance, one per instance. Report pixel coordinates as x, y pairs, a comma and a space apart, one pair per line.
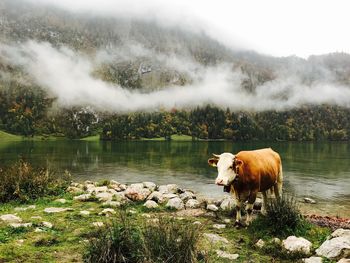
219, 181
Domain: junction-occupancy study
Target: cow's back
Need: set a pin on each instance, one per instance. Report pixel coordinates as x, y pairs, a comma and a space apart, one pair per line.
261, 167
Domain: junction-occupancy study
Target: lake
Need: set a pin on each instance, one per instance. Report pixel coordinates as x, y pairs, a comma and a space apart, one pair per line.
317, 170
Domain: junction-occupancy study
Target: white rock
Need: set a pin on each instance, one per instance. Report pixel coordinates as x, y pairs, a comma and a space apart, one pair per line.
187, 195
137, 186
344, 260
150, 185
10, 218
150, 204
104, 196
56, 209
74, 190
212, 207
97, 189
341, 233
61, 200
260, 243
98, 224
219, 226
223, 254
309, 200
277, 241
335, 248
84, 213
107, 212
17, 225
18, 209
197, 223
137, 193
192, 203
83, 197
123, 187
297, 244
46, 224
228, 204
170, 188
112, 204
156, 196
175, 203
214, 238
227, 221
312, 260
38, 230
114, 182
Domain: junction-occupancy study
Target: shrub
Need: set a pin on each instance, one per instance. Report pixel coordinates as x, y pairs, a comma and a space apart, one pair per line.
120, 242
282, 218
23, 182
171, 241
165, 240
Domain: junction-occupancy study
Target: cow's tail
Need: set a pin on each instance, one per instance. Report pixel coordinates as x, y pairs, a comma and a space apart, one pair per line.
280, 181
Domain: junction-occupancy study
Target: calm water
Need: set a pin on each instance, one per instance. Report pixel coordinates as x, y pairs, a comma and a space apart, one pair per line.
320, 171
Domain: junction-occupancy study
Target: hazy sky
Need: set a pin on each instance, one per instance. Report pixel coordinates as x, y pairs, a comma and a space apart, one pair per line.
275, 27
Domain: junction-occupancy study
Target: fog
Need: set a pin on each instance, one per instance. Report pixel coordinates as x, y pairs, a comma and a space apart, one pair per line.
67, 75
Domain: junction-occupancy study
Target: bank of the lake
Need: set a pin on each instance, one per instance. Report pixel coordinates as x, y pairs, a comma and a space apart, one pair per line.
57, 228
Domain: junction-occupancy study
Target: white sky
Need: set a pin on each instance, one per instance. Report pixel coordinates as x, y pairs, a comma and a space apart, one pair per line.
275, 27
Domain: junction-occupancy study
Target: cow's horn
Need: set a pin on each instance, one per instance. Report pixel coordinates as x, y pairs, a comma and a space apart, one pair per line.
216, 155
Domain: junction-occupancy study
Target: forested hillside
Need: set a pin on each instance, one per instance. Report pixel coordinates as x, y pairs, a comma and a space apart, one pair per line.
136, 57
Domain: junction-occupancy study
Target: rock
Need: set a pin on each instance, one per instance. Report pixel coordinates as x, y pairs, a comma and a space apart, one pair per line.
51, 210
10, 218
132, 211
98, 224
150, 185
38, 230
84, 213
312, 260
341, 233
223, 254
217, 202
260, 243
297, 244
228, 204
97, 189
120, 197
156, 196
193, 204
46, 224
197, 223
168, 189
114, 182
112, 204
227, 220
150, 204
18, 209
187, 195
335, 248
104, 196
168, 196
219, 226
175, 203
107, 212
17, 225
277, 241
74, 190
258, 203
123, 187
214, 238
20, 242
136, 193
344, 260
83, 197
309, 200
212, 207
61, 200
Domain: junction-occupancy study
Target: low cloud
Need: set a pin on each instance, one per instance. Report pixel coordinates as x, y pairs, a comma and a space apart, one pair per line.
68, 76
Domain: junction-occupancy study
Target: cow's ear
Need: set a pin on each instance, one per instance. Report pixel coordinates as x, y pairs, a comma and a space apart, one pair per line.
213, 162
238, 162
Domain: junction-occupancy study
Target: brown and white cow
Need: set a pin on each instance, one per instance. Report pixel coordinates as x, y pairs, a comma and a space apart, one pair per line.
247, 173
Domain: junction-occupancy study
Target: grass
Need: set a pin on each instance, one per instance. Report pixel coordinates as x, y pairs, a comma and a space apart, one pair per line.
8, 137
174, 137
4, 136
94, 138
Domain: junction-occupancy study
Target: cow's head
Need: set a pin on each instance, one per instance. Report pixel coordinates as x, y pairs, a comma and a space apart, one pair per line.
226, 164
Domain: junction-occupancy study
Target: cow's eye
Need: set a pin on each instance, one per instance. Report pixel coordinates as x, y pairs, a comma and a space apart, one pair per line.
231, 167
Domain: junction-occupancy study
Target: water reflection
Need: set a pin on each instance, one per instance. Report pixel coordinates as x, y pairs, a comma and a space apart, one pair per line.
320, 171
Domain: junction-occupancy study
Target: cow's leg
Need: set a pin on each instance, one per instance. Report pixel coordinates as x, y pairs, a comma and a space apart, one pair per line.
249, 207
264, 204
239, 204
277, 191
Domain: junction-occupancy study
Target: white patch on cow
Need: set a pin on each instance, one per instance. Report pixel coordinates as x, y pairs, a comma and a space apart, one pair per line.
226, 171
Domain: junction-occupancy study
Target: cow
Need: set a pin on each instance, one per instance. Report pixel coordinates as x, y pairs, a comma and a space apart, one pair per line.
247, 173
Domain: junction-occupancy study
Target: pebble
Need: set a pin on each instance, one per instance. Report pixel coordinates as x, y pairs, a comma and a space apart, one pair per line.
223, 254
212, 207
219, 226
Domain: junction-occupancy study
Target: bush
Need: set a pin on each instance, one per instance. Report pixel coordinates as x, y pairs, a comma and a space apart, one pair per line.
282, 218
22, 182
171, 241
166, 240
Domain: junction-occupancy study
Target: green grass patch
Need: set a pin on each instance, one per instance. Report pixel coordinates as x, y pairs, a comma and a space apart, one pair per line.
94, 138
